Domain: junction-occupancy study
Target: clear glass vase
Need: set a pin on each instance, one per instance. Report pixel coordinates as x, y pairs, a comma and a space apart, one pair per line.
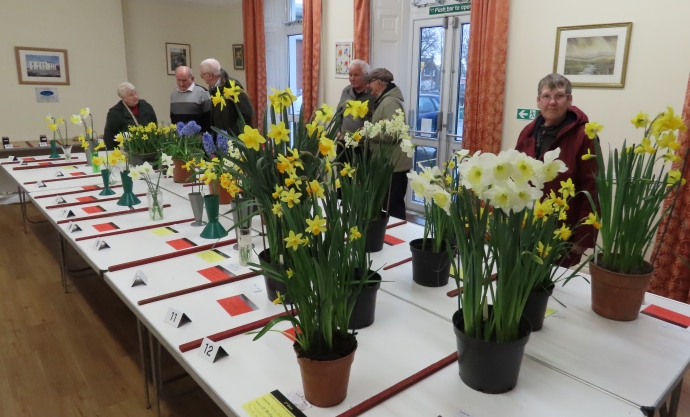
67, 151
155, 200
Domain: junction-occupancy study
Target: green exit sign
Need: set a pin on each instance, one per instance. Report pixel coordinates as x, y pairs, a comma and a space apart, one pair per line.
527, 114
455, 8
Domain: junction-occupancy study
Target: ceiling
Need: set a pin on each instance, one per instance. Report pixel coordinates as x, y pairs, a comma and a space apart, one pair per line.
202, 2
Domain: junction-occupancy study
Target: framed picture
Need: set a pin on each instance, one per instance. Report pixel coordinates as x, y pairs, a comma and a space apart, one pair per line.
238, 56
343, 57
177, 54
594, 55
42, 66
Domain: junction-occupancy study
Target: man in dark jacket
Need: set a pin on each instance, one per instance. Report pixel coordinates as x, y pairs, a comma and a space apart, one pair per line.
130, 111
228, 118
562, 125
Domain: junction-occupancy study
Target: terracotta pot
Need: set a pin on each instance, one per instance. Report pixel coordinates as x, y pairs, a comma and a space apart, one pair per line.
618, 296
181, 175
325, 382
215, 188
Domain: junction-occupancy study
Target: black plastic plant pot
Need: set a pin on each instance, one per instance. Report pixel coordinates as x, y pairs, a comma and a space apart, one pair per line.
535, 308
273, 287
376, 233
365, 307
489, 367
429, 269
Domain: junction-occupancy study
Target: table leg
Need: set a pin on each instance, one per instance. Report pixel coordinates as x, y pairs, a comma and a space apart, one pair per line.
22, 206
670, 409
154, 348
145, 362
63, 262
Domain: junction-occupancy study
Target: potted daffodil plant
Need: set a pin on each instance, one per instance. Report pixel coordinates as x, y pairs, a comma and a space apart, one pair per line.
632, 184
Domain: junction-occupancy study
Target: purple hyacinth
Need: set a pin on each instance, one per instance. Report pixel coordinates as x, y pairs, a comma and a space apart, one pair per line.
180, 127
209, 145
222, 145
192, 128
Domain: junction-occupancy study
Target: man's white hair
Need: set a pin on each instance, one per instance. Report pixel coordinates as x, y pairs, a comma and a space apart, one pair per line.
210, 65
123, 88
366, 69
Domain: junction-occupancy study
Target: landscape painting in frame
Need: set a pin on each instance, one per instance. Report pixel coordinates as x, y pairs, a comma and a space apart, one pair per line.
593, 56
177, 55
43, 66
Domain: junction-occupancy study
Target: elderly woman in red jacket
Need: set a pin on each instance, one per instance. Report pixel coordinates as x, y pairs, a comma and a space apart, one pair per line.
562, 125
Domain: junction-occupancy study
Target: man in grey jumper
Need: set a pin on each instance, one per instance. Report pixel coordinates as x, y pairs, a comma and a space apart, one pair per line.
190, 101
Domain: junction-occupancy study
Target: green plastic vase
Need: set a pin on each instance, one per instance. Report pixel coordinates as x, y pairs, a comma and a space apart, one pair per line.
128, 198
53, 150
105, 174
213, 230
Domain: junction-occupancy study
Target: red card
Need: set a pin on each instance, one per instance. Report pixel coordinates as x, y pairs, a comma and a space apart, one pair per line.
215, 273
290, 333
392, 240
237, 304
77, 174
180, 244
104, 227
45, 164
87, 199
28, 159
93, 209
89, 187
667, 315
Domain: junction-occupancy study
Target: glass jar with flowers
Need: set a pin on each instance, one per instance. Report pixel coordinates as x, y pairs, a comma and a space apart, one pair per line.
154, 194
89, 140
632, 184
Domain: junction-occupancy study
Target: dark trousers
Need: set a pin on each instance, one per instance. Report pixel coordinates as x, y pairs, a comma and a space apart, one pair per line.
398, 189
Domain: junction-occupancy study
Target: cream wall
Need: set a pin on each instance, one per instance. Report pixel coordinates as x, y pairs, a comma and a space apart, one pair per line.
90, 30
148, 25
337, 26
658, 62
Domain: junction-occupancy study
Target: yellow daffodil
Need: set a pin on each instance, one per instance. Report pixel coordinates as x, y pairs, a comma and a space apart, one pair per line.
666, 121
293, 240
52, 126
665, 139
278, 191
563, 215
189, 165
218, 99
49, 118
290, 197
75, 119
324, 113
279, 133
283, 164
357, 136
592, 129
287, 98
279, 298
251, 138
588, 156
232, 92
640, 120
327, 147
316, 226
354, 233
313, 126
567, 189
563, 233
277, 209
593, 221
337, 183
290, 273
673, 177
208, 176
542, 209
670, 157
60, 121
543, 252
347, 170
89, 131
645, 146
101, 145
356, 109
119, 138
275, 100
315, 190
98, 160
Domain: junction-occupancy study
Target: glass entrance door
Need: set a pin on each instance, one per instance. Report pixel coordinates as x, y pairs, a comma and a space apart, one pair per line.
439, 68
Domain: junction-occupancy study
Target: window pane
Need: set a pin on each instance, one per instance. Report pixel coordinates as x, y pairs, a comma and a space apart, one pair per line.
460, 110
295, 70
295, 9
427, 156
431, 43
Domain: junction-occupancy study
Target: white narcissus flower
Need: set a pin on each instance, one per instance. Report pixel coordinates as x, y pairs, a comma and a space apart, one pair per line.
552, 166
442, 199
75, 119
85, 112
526, 193
146, 168
503, 165
408, 147
418, 183
166, 159
134, 173
169, 171
504, 197
462, 154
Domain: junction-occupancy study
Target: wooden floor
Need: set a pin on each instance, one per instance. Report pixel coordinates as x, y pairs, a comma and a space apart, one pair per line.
77, 354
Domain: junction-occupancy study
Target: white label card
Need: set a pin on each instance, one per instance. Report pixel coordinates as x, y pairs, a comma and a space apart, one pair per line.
176, 318
73, 227
60, 200
12, 158
40, 184
140, 279
66, 213
256, 288
9, 146
24, 163
100, 244
59, 174
42, 144
211, 351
